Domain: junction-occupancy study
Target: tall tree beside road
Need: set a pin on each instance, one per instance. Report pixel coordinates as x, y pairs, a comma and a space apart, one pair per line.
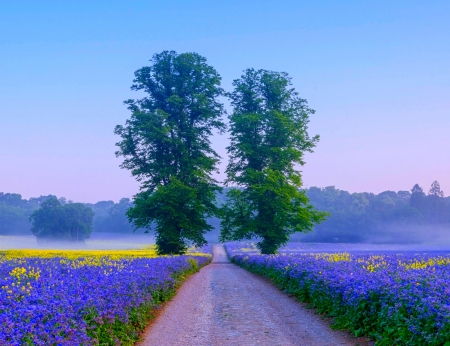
268, 140
166, 145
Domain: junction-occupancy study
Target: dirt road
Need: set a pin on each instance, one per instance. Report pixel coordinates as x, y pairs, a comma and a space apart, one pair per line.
225, 305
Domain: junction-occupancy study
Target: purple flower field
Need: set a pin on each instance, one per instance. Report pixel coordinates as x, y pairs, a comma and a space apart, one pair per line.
395, 298
57, 301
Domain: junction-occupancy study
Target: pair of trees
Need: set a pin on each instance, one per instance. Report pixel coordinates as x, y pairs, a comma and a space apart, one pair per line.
166, 145
65, 222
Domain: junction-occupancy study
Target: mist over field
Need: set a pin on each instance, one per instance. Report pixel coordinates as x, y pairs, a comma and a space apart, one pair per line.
441, 244
438, 234
396, 234
104, 241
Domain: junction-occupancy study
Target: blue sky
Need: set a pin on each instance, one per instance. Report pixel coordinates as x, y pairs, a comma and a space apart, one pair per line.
377, 73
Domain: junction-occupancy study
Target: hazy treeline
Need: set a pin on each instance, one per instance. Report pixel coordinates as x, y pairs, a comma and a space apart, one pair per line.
111, 217
403, 216
15, 212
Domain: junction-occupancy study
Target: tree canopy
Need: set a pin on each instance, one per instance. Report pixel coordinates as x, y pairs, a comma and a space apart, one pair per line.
56, 221
166, 146
268, 133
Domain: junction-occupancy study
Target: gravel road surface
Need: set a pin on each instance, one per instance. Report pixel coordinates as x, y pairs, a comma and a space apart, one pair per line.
224, 304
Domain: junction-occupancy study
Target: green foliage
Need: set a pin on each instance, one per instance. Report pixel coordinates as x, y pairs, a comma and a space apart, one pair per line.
268, 139
55, 221
179, 214
166, 146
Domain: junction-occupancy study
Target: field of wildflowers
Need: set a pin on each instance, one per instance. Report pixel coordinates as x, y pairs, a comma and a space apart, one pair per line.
395, 298
81, 297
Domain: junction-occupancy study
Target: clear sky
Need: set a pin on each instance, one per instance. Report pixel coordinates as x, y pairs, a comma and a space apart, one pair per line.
376, 72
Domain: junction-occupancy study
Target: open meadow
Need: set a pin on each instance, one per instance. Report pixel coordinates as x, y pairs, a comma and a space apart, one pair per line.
396, 296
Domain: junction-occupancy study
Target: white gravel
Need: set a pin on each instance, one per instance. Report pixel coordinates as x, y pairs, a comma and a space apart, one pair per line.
224, 304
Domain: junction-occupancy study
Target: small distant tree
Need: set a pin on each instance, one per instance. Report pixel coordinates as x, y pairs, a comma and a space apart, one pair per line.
166, 146
435, 203
417, 199
268, 139
55, 221
435, 190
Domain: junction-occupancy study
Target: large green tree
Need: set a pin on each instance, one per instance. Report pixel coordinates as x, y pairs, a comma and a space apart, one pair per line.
166, 145
268, 140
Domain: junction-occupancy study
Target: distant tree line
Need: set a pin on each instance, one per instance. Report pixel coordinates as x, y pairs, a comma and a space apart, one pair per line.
389, 216
354, 217
111, 217
107, 216
15, 212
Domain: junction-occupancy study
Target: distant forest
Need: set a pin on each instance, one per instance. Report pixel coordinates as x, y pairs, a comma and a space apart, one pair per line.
15, 212
388, 217
392, 217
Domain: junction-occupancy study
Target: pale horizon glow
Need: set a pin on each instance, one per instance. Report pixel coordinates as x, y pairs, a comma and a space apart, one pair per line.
376, 73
